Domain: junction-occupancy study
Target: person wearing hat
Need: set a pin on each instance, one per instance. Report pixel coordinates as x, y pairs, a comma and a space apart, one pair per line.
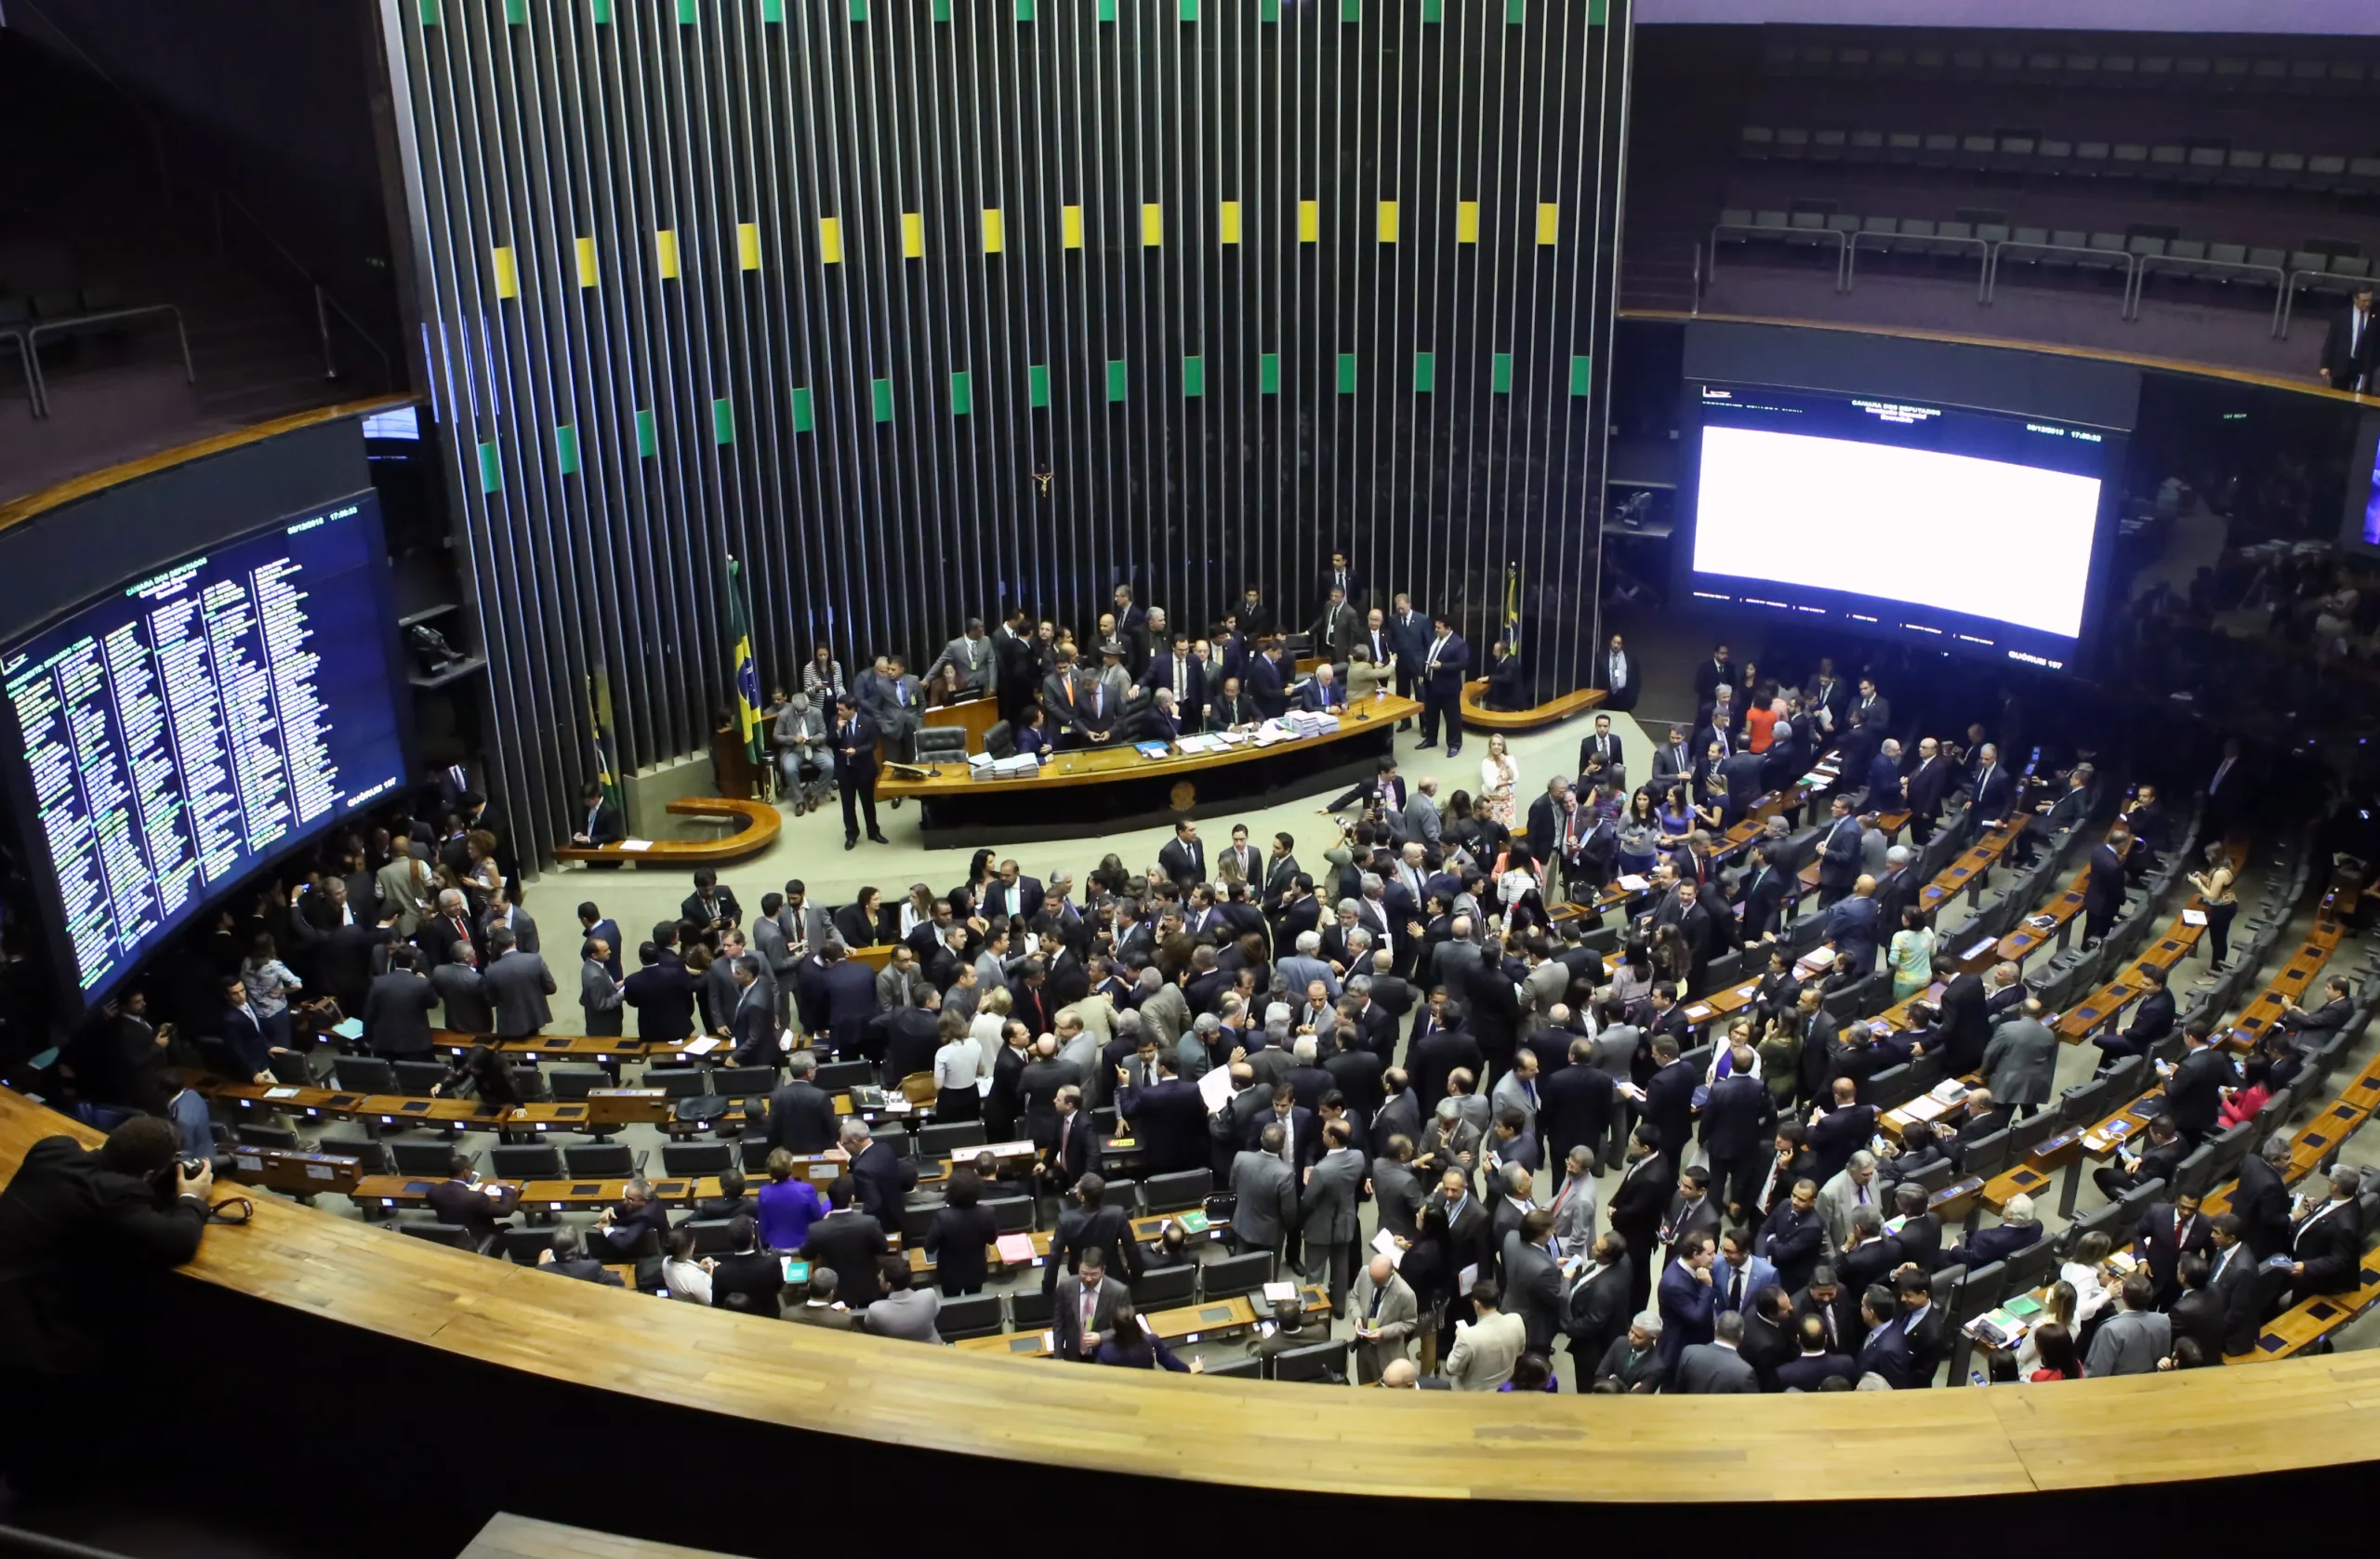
1113, 674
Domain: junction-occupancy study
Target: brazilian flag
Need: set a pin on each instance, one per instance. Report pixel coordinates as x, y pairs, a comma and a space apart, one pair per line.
747, 676
607, 771
1513, 606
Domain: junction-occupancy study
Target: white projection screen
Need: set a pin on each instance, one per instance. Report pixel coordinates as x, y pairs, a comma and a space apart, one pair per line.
1988, 538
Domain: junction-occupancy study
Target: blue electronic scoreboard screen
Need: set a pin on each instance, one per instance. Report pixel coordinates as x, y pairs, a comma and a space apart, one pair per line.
174, 736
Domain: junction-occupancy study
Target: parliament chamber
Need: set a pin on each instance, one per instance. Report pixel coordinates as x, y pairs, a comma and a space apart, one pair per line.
1460, 701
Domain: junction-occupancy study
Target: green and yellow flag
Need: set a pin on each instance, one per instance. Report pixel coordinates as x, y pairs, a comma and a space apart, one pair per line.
746, 675
1513, 606
607, 771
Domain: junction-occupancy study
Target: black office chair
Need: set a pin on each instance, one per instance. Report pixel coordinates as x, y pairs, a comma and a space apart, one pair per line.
917, 1222
256, 1134
601, 1161
414, 1078
364, 1074
646, 1249
530, 1085
711, 1235
968, 1315
1001, 740
1123, 1195
524, 1246
835, 1075
1010, 1215
742, 1082
1029, 1308
371, 1158
894, 1138
939, 744
525, 1161
1316, 1361
677, 1082
754, 1150
1234, 1274
1164, 1286
427, 1159
570, 1083
453, 1235
682, 1159
944, 1139
1250, 1368
1178, 1190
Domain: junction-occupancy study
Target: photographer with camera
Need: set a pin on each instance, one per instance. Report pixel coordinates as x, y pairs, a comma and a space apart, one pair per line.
85, 1237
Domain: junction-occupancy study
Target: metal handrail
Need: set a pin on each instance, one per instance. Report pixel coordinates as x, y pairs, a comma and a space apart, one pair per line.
33, 342
2131, 265
2289, 300
2280, 281
1842, 249
25, 356
324, 304
1885, 239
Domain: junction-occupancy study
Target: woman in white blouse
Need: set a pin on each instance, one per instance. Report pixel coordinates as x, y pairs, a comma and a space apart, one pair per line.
1499, 775
955, 1066
991, 1020
2082, 1269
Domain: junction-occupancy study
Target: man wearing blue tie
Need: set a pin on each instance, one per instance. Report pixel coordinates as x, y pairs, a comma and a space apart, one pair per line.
1323, 694
1443, 665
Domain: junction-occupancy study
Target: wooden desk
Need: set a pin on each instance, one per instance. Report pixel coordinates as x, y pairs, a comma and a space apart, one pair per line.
1116, 780
2103, 1007
2296, 977
296, 1172
602, 1110
975, 716
1208, 1322
757, 824
2029, 939
1578, 701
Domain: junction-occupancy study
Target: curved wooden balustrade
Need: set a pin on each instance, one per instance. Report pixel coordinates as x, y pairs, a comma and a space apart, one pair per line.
1552, 712
758, 821
2299, 1414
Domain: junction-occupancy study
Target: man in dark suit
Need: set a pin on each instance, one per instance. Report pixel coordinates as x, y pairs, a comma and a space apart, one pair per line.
2238, 1282
1445, 660
2018, 1229
1966, 1026
849, 1241
567, 1257
461, 1199
1334, 629
2194, 1086
1793, 1240
1995, 788
885, 1179
1268, 682
1926, 787
1601, 760
1575, 1106
1182, 673
1814, 1363
801, 1116
1668, 1104
855, 737
599, 821
1167, 1117
847, 990
1619, 675
2153, 1022
2326, 1242
1688, 1296
2352, 346
2103, 895
1712, 674
2159, 1160
1838, 854
1737, 1120
1594, 1304
1084, 1226
2261, 1201
1184, 856
710, 910
663, 994
1839, 1132
1636, 1207
2169, 1230
2324, 1020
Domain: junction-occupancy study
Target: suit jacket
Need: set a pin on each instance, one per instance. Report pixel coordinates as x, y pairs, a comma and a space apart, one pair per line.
1024, 900
1807, 1372
1574, 1108
1444, 666
885, 1179
1995, 792
2021, 1061
1265, 688
1328, 1204
663, 995
851, 1243
1533, 1290
1792, 1242
1395, 1316
2351, 349
2193, 1094
1484, 1351
1709, 1369
396, 1015
2329, 1242
801, 1119
2129, 1342
1687, 1309
1737, 1118
1268, 1199
2262, 1203
1065, 1313
518, 984
1634, 1371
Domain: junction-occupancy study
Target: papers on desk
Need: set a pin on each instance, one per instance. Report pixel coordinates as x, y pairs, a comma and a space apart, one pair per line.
1311, 722
1631, 883
636, 846
349, 1028
1949, 1091
280, 1094
979, 762
1745, 993
1924, 1107
1015, 1250
1011, 767
1998, 1330
1196, 745
705, 1045
2193, 917
1195, 1222
1277, 1292
1698, 1011
1979, 949
1214, 1087
1151, 750
2040, 922
1820, 958
1385, 1244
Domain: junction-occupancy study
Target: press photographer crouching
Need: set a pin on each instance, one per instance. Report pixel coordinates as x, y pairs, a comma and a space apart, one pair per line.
86, 1237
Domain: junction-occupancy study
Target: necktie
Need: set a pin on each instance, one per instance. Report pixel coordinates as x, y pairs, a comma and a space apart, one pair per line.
1378, 1295
1066, 1135
1070, 692
1089, 1304
1863, 1193
1736, 1290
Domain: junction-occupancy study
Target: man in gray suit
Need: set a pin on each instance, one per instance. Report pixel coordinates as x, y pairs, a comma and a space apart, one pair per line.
1517, 1089
1397, 1191
897, 708
2021, 1061
1328, 1209
1533, 1279
776, 935
463, 988
972, 653
900, 982
502, 911
1423, 824
517, 983
1267, 1193
1082, 1307
1715, 1368
1386, 1315
2136, 1339
597, 992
